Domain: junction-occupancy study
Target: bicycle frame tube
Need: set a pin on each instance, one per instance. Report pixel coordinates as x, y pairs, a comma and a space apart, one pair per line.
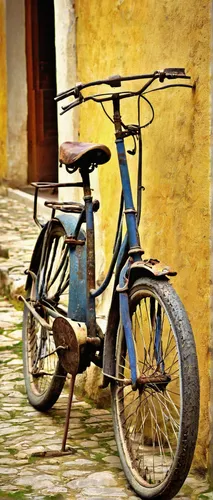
130, 212
91, 316
131, 221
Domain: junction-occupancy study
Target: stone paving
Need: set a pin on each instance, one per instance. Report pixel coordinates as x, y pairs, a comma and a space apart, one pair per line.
94, 472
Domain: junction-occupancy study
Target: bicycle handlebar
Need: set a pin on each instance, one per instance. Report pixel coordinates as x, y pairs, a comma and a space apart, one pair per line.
114, 82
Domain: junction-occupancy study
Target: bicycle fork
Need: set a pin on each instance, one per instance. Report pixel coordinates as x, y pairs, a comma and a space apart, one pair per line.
135, 250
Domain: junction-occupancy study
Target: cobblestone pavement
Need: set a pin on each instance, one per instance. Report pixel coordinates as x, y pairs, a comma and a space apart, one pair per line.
94, 471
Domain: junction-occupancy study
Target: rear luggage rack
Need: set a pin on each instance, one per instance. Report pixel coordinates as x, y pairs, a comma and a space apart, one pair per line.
65, 206
54, 205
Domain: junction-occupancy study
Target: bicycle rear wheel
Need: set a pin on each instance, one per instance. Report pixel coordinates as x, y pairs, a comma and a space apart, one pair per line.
156, 425
43, 373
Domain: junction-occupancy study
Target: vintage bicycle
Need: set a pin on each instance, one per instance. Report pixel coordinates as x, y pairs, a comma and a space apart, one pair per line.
147, 353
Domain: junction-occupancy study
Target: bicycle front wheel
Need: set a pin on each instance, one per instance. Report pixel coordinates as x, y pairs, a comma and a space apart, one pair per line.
156, 425
43, 373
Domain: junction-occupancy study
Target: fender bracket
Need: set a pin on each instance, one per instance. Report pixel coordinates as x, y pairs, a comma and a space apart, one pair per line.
146, 267
155, 267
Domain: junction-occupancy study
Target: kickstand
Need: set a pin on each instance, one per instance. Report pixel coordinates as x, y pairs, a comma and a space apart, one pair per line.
68, 352
69, 404
64, 450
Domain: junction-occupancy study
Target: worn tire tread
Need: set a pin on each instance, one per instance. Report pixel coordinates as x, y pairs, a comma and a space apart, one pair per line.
190, 385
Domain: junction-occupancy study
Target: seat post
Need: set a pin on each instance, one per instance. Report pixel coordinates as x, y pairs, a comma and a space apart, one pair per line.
91, 317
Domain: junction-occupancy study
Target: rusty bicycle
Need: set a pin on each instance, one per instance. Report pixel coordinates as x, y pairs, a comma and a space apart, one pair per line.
147, 353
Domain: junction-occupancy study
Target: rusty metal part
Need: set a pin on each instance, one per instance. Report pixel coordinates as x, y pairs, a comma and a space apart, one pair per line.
96, 341
64, 335
91, 282
48, 185
64, 450
90, 257
155, 267
117, 116
152, 266
69, 404
63, 332
65, 206
79, 329
155, 378
54, 453
73, 152
55, 185
64, 348
73, 242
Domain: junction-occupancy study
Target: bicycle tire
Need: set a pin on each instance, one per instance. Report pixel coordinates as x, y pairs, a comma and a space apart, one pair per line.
155, 437
43, 373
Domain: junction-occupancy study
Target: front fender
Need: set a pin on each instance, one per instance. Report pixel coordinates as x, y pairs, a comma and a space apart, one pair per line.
152, 268
132, 272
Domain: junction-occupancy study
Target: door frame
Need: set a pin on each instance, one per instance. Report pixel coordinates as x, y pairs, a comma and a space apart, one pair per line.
39, 143
31, 119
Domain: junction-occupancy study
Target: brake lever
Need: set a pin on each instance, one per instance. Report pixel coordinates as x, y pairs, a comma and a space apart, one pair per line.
77, 101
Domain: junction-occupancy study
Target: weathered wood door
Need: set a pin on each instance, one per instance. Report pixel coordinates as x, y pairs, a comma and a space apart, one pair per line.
41, 76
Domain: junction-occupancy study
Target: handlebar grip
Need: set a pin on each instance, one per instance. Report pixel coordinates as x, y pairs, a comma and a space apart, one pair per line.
175, 70
74, 91
62, 95
175, 73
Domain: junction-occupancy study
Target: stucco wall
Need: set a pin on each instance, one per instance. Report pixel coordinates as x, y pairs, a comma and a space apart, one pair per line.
68, 124
65, 46
17, 92
132, 37
3, 94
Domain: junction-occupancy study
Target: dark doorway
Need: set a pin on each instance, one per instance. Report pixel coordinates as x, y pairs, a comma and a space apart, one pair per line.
41, 75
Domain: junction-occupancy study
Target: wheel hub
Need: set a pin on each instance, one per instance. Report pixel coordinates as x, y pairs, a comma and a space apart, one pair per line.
157, 381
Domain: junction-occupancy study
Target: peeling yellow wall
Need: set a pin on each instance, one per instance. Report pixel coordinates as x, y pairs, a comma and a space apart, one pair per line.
127, 37
3, 95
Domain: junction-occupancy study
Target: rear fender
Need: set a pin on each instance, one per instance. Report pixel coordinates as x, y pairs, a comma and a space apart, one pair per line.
36, 256
77, 286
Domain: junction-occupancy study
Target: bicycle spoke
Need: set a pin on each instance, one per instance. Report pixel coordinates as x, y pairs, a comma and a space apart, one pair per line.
150, 416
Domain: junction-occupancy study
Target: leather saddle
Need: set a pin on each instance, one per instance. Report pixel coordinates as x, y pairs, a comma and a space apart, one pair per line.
85, 153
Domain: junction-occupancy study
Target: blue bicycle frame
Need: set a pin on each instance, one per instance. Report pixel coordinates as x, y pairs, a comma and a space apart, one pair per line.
82, 291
